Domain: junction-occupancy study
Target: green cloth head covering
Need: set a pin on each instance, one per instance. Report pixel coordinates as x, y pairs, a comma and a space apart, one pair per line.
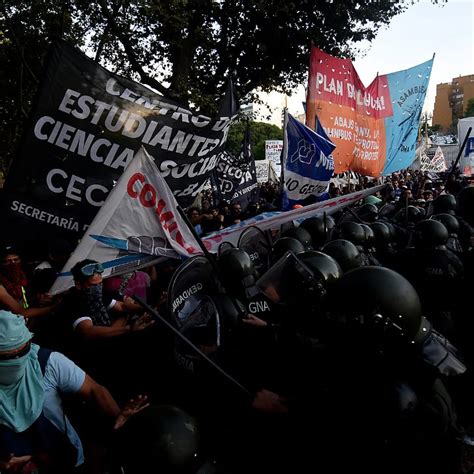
372, 200
21, 380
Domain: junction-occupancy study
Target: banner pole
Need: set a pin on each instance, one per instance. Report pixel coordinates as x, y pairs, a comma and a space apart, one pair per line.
196, 349
459, 155
325, 221
284, 151
406, 212
355, 215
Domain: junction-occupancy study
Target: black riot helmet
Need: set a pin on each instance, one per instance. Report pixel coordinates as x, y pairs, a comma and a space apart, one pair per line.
293, 281
352, 231
392, 230
422, 211
324, 267
282, 245
368, 212
429, 234
449, 221
344, 252
320, 228
381, 233
414, 215
207, 325
237, 270
257, 244
444, 203
387, 210
465, 204
369, 235
300, 234
331, 223
160, 438
379, 301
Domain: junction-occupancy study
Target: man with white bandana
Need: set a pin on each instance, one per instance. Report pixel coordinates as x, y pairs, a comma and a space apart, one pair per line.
33, 427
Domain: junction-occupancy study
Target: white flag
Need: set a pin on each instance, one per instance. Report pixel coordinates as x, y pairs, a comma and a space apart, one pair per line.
138, 223
437, 164
438, 161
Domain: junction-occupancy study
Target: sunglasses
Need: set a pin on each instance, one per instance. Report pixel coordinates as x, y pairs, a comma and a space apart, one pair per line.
18, 354
91, 268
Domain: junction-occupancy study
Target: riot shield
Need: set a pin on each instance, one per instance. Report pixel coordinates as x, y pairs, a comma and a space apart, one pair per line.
256, 243
192, 309
285, 280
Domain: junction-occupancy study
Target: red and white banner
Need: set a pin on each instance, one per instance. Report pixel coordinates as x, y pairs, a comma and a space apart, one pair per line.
273, 221
374, 128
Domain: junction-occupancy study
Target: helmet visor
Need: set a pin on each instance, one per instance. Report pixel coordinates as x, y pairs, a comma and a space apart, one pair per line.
281, 281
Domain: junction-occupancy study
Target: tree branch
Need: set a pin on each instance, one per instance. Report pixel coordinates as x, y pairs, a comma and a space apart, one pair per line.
127, 45
17, 43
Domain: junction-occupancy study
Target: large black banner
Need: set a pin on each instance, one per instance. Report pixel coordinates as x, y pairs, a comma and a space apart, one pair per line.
86, 127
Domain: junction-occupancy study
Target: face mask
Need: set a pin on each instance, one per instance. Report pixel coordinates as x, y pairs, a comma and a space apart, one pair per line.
13, 271
94, 291
12, 373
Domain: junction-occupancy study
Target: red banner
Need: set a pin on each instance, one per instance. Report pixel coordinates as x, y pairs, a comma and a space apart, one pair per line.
351, 114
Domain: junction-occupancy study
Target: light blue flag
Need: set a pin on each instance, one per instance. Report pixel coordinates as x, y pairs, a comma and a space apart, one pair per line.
407, 91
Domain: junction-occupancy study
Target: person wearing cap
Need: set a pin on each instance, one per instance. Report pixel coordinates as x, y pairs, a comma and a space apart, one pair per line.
88, 308
427, 195
34, 430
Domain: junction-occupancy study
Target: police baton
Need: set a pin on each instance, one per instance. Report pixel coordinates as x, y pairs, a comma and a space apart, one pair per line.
196, 349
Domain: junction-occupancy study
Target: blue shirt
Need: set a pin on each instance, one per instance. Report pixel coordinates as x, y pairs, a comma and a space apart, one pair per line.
62, 376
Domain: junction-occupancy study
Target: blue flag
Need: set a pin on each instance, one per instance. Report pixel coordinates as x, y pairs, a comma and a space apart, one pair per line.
308, 163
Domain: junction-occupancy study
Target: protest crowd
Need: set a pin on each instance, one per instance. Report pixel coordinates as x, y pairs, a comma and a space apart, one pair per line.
348, 335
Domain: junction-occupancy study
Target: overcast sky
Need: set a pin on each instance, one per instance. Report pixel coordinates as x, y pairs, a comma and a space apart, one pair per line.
411, 38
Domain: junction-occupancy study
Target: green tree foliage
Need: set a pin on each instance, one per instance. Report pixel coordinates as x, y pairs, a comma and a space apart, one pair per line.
470, 108
259, 132
185, 49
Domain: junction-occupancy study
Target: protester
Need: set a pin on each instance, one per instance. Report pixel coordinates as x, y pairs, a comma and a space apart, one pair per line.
12, 276
34, 430
59, 250
88, 310
13, 287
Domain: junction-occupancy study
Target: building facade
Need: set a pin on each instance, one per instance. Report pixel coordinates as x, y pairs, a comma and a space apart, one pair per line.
451, 100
